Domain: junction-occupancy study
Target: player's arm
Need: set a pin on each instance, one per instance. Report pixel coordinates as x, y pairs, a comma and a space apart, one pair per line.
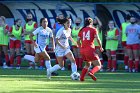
99, 42
71, 39
33, 34
116, 35
52, 40
6, 29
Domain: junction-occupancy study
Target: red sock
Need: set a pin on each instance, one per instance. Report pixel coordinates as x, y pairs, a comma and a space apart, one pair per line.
80, 62
95, 69
131, 64
83, 73
136, 65
109, 64
7, 59
102, 62
126, 60
77, 62
11, 60
56, 60
42, 63
114, 64
18, 60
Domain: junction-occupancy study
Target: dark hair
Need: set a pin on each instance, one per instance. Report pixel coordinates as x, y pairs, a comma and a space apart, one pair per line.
15, 21
42, 20
28, 14
127, 17
87, 22
63, 21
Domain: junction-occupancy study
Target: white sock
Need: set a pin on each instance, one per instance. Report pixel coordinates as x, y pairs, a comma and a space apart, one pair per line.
30, 58
55, 68
73, 67
48, 64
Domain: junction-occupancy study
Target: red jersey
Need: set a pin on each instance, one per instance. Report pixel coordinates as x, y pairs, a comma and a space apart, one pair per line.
87, 36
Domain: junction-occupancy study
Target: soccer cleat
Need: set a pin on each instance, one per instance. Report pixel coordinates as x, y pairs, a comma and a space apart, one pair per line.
54, 74
5, 66
81, 79
48, 74
30, 67
63, 68
36, 67
18, 67
92, 76
113, 70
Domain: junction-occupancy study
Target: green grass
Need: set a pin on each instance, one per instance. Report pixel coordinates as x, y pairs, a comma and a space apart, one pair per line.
35, 81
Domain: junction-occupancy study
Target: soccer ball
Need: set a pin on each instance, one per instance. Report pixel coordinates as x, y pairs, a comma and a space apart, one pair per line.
75, 76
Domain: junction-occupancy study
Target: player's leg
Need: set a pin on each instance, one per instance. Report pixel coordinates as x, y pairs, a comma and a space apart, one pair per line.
80, 59
114, 61
136, 56
100, 56
109, 65
130, 55
125, 55
18, 46
84, 71
96, 68
70, 56
75, 52
5, 50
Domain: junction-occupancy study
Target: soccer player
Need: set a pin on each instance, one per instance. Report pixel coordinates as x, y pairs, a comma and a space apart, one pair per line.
56, 27
63, 48
85, 41
75, 30
29, 27
133, 35
15, 42
43, 33
98, 25
4, 40
112, 45
123, 39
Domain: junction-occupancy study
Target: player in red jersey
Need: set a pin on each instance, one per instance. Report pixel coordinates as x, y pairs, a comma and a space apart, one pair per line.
87, 49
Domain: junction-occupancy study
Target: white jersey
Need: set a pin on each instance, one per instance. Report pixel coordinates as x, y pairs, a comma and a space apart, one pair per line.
42, 36
63, 36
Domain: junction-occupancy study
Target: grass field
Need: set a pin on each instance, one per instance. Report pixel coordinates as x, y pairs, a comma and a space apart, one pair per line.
35, 81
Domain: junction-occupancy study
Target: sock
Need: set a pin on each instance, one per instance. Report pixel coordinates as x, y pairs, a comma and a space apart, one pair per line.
95, 69
102, 62
42, 63
18, 60
109, 64
55, 68
73, 67
114, 64
126, 60
80, 62
136, 65
29, 58
11, 60
83, 73
130, 64
56, 60
77, 62
48, 64
7, 59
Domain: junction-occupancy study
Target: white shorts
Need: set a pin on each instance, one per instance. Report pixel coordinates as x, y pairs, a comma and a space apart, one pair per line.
61, 52
39, 49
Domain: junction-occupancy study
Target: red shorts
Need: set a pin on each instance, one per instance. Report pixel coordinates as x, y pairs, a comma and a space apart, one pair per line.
74, 46
28, 41
113, 53
88, 54
124, 43
15, 43
133, 47
97, 47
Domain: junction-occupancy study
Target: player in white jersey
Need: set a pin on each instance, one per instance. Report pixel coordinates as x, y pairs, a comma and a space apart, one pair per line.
63, 48
43, 33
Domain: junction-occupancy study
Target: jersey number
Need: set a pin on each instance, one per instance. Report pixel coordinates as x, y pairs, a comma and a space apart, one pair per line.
86, 35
